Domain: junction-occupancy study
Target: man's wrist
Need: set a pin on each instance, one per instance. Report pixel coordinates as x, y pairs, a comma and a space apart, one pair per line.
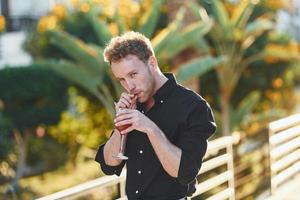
152, 130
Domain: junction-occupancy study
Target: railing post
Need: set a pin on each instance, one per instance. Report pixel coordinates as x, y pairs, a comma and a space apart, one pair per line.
284, 143
272, 173
230, 166
122, 188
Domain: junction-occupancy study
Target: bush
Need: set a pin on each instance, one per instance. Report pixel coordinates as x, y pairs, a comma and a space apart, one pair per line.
32, 96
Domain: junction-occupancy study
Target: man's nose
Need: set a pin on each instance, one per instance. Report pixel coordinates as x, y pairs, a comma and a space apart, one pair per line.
130, 85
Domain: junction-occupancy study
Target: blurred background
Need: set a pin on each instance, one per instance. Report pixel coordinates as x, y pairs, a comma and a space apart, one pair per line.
56, 91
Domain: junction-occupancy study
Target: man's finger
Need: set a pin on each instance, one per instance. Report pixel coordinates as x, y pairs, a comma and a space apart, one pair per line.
123, 103
127, 130
125, 111
122, 117
124, 122
126, 96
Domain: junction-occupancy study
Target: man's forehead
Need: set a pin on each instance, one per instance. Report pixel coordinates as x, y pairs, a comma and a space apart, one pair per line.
120, 71
126, 66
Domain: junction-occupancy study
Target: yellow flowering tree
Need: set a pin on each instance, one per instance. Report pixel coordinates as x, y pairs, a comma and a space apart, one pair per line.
2, 23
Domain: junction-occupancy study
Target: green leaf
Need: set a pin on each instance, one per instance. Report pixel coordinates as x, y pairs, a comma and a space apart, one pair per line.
72, 72
221, 15
199, 12
257, 26
241, 14
202, 46
149, 20
77, 50
245, 108
104, 90
195, 8
120, 22
101, 29
117, 87
162, 38
81, 77
198, 67
188, 37
99, 51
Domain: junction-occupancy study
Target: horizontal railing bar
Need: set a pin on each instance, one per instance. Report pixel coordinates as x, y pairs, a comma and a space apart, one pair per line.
214, 163
213, 182
284, 135
285, 161
122, 198
285, 148
216, 145
284, 123
99, 182
281, 177
224, 194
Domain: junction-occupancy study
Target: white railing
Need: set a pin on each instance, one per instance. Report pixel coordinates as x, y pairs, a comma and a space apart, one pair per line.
284, 141
214, 158
82, 189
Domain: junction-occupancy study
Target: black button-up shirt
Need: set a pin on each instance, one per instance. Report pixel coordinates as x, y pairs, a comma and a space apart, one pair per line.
187, 121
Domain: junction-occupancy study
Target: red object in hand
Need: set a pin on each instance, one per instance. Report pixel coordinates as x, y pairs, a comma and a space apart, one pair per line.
123, 127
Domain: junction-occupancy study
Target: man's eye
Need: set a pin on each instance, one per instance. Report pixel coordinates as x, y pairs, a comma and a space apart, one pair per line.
133, 75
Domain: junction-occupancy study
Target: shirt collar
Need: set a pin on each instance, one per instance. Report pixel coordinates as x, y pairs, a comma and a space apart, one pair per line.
164, 91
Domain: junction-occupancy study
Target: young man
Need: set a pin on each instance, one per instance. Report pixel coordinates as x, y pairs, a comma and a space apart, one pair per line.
168, 129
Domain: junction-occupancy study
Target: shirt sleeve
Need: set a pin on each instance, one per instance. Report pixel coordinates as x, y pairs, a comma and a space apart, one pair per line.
192, 141
107, 169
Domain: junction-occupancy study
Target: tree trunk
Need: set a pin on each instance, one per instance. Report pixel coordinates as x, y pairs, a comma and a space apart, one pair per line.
22, 143
225, 114
73, 153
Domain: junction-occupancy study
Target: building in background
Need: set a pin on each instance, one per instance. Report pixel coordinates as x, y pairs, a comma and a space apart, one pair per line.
288, 20
20, 15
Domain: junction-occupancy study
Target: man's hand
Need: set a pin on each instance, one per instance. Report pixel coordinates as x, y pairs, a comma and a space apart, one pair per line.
126, 101
168, 154
137, 120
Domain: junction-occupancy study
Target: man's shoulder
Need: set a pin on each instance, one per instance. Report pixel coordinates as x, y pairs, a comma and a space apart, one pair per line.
189, 95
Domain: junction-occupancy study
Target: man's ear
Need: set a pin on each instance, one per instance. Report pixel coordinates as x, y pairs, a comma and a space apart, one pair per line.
152, 62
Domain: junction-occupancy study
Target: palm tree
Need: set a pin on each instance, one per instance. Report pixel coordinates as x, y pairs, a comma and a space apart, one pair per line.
233, 35
88, 69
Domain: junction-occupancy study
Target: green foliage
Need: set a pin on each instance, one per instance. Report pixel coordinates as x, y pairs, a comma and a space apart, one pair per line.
191, 69
39, 151
5, 140
243, 33
32, 96
85, 124
83, 63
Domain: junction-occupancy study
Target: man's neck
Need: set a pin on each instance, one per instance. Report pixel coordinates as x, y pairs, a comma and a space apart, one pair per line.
149, 104
160, 80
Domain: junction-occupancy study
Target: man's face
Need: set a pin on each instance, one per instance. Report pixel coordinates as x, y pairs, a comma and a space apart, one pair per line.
135, 76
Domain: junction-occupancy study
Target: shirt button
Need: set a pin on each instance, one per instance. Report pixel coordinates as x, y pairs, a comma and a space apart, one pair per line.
161, 101
139, 171
141, 151
136, 191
